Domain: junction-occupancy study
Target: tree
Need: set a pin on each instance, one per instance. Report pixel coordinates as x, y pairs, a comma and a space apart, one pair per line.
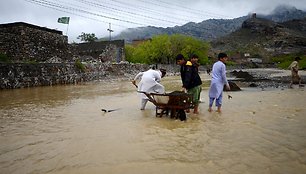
129, 50
87, 37
164, 48
160, 49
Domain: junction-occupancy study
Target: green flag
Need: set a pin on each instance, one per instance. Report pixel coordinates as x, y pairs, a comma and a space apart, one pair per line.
64, 20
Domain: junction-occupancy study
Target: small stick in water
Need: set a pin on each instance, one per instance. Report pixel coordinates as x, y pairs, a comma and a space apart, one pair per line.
111, 110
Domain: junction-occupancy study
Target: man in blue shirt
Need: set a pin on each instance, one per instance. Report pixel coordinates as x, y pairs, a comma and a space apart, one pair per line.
217, 82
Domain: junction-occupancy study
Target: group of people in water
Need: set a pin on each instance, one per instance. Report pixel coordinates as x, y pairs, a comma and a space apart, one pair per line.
191, 80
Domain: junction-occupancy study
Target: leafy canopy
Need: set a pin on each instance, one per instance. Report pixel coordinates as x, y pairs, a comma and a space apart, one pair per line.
87, 37
164, 48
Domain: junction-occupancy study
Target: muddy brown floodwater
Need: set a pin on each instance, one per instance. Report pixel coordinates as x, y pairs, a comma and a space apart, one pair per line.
61, 129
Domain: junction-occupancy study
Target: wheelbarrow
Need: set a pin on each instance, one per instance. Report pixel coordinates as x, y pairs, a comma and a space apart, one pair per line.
174, 103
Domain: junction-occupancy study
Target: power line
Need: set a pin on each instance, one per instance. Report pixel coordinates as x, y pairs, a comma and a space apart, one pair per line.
64, 8
56, 5
181, 8
54, 8
83, 10
119, 13
148, 10
195, 10
124, 11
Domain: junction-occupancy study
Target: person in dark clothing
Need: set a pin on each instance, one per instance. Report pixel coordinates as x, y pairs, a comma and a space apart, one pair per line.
194, 59
191, 79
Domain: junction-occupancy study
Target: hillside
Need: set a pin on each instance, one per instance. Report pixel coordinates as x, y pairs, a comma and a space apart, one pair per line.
265, 38
205, 30
210, 29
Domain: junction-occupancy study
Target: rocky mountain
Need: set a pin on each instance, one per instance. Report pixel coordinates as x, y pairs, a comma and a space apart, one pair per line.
284, 13
265, 38
210, 29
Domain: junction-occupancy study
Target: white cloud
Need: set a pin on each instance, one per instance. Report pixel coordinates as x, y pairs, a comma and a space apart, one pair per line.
94, 16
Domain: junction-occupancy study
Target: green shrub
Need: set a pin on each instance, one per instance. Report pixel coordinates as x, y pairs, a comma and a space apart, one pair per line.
302, 63
4, 58
79, 65
230, 63
284, 61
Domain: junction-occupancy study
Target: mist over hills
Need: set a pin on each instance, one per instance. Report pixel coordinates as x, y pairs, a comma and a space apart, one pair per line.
210, 29
284, 13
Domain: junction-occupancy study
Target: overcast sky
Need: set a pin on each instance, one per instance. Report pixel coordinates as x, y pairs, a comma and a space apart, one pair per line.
94, 16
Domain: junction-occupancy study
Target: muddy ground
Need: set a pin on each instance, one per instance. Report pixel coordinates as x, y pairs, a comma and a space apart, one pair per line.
263, 78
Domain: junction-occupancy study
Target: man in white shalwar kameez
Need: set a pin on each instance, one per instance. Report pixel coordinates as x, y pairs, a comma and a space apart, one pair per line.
149, 83
217, 82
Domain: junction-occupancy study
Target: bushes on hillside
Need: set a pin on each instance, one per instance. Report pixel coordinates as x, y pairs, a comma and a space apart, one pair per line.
284, 61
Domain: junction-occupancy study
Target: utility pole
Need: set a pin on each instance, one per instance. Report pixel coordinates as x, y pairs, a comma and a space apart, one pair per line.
110, 32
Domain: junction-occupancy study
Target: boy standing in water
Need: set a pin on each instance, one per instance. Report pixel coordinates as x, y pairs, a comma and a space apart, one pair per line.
217, 82
190, 79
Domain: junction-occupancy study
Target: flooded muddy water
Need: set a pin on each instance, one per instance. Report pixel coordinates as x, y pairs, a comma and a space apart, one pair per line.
61, 129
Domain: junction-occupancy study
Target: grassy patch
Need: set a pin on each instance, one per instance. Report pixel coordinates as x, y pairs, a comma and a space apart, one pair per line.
284, 61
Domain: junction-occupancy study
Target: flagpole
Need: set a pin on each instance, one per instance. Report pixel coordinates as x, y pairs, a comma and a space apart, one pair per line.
67, 30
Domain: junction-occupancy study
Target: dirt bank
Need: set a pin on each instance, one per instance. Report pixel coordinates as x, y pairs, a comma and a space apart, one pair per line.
263, 77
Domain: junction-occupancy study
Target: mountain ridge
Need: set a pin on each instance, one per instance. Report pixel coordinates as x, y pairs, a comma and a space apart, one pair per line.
265, 38
212, 28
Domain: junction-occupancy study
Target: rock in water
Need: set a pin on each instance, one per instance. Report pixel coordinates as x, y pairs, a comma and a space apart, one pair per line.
234, 87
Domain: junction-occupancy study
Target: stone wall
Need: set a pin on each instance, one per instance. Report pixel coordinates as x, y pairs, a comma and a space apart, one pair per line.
23, 42
42, 57
104, 51
24, 75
